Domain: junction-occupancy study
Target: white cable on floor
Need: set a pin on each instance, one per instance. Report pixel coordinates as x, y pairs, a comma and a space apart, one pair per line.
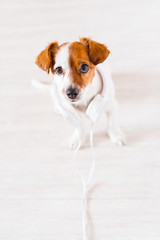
85, 183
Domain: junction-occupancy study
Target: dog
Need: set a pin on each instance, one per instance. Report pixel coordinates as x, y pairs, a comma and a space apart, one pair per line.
79, 84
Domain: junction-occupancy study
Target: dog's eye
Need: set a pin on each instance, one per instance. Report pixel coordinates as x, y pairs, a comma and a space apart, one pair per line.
59, 70
84, 68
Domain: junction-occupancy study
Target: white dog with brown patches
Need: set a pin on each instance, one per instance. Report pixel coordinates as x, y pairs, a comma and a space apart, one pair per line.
79, 84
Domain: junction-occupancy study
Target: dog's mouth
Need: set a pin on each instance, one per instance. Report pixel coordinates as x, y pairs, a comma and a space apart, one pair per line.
73, 101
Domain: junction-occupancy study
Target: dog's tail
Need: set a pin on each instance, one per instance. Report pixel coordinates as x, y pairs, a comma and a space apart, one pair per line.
42, 85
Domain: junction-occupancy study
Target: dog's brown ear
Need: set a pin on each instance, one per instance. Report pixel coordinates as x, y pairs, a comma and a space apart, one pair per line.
97, 52
45, 60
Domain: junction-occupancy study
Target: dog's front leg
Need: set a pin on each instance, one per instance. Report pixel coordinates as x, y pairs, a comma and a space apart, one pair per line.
80, 133
76, 139
83, 126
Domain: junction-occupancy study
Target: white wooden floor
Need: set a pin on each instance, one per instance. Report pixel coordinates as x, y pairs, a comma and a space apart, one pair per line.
40, 192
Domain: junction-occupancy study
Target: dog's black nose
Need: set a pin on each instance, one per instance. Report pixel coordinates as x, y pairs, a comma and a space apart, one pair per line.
72, 93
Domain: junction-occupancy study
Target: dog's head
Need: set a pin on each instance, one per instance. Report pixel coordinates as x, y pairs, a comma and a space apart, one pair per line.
73, 65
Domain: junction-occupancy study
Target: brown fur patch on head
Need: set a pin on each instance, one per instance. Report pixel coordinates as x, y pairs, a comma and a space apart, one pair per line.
46, 59
78, 55
97, 52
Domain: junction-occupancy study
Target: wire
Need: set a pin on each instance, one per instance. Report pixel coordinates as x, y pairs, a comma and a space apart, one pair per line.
85, 183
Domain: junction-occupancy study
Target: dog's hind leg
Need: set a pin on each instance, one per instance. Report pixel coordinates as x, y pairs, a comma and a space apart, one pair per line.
115, 133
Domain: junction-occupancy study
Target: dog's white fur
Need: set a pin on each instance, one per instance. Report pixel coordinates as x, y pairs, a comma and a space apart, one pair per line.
88, 98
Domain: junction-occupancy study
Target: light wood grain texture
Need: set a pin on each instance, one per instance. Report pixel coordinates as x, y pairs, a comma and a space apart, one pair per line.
40, 193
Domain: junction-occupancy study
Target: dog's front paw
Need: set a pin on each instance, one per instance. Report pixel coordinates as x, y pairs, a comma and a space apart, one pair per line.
117, 137
74, 141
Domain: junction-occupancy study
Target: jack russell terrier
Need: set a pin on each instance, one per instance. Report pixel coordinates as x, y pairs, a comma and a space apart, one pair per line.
79, 84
